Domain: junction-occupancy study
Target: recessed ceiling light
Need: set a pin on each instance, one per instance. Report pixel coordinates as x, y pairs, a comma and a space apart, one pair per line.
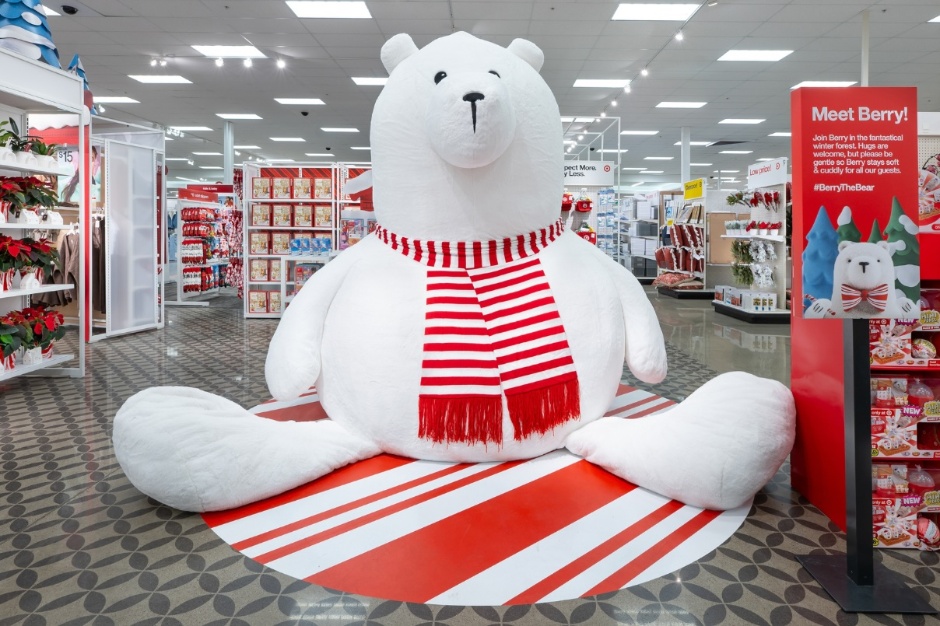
50, 13
230, 52
634, 169
612, 150
736, 151
580, 137
207, 153
700, 164
360, 148
191, 129
605, 83
319, 154
680, 105
247, 147
210, 167
728, 171
754, 55
936, 19
247, 62
294, 139
115, 100
281, 64
644, 72
280, 160
731, 178
655, 12
299, 101
658, 158
239, 116
219, 62
824, 83
370, 80
695, 143
639, 132
155, 79
332, 129
327, 9
765, 159
175, 159
651, 172
741, 120
779, 134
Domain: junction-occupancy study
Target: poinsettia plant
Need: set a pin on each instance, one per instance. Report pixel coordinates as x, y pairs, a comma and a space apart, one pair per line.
23, 328
763, 225
14, 254
751, 226
777, 225
10, 339
737, 198
45, 325
41, 253
27, 191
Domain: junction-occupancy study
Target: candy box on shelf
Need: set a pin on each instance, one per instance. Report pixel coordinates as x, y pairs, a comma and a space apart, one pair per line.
281, 215
260, 215
280, 243
303, 215
258, 270
281, 188
274, 271
260, 187
323, 216
303, 188
257, 301
259, 243
274, 302
323, 188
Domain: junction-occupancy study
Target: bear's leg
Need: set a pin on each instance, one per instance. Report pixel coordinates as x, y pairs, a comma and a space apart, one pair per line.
199, 452
715, 450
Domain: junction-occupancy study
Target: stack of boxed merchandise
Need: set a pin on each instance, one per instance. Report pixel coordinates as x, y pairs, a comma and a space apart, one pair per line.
752, 301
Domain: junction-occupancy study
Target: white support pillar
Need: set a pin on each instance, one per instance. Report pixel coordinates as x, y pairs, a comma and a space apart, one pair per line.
866, 31
228, 152
686, 158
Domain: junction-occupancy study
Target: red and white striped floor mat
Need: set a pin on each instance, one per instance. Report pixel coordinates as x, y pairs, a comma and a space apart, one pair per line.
546, 529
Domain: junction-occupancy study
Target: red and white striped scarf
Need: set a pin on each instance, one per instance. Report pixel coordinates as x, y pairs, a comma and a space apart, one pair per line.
491, 327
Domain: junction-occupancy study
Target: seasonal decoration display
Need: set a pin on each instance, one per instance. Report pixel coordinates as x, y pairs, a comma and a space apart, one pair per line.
25, 149
822, 248
929, 195
29, 335
456, 331
24, 30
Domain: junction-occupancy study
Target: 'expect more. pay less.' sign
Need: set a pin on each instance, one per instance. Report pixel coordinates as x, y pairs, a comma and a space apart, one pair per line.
589, 173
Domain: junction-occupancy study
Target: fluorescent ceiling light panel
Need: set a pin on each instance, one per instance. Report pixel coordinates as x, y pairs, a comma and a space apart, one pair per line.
565, 119
327, 9
765, 159
658, 158
741, 120
247, 147
191, 129
587, 120
638, 184
160, 79
239, 116
695, 143
737, 151
700, 164
651, 172
280, 160
728, 171
207, 153
334, 129
936, 19
370, 80
293, 139
115, 100
299, 101
612, 150
754, 55
680, 105
230, 52
779, 134
50, 13
176, 159
360, 148
655, 12
319, 154
210, 167
604, 83
634, 169
639, 132
824, 83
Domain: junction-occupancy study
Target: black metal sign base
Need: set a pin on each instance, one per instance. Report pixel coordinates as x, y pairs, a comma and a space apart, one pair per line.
886, 594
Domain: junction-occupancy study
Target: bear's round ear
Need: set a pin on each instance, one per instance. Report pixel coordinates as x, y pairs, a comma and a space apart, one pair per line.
886, 246
396, 50
528, 52
843, 245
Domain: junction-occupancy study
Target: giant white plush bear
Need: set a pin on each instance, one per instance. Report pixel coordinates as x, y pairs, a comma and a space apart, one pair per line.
470, 327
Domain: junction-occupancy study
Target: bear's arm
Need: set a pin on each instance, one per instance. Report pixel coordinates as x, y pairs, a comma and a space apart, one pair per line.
293, 361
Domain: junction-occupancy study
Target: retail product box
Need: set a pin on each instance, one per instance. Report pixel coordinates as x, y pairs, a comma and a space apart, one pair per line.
890, 341
303, 215
296, 246
905, 506
257, 301
274, 270
321, 244
281, 188
323, 216
259, 243
281, 215
260, 187
322, 188
274, 302
303, 272
758, 301
258, 270
905, 418
260, 214
720, 292
280, 243
303, 188
647, 229
650, 246
645, 210
351, 232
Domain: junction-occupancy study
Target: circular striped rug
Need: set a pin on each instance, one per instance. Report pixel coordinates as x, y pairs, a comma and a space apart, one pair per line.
545, 529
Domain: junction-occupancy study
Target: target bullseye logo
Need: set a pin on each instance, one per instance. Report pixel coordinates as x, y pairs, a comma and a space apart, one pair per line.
606, 168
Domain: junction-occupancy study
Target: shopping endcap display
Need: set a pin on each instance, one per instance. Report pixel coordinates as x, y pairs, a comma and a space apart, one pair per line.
463, 329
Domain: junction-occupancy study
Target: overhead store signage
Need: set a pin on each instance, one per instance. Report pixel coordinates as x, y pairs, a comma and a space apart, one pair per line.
767, 173
199, 196
856, 249
694, 189
590, 173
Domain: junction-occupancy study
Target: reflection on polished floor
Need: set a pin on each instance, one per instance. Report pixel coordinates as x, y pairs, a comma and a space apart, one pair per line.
79, 545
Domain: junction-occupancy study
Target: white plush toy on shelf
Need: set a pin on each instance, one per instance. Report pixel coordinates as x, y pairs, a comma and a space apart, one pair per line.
458, 330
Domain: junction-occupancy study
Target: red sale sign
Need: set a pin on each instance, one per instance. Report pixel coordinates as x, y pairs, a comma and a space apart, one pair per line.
856, 250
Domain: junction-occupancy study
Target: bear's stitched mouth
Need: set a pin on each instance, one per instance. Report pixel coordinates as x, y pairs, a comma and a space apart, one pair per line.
473, 97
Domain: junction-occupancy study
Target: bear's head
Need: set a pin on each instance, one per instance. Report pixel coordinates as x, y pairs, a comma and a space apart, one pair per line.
864, 266
466, 140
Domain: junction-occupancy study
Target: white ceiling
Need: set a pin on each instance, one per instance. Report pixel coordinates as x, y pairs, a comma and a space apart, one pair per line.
120, 37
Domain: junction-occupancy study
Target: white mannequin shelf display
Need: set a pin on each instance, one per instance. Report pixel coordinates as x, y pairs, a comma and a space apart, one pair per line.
759, 249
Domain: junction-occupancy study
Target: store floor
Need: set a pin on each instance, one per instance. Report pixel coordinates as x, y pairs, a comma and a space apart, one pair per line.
79, 545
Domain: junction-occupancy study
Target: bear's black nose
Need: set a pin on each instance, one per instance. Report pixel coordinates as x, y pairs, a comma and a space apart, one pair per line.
863, 265
473, 97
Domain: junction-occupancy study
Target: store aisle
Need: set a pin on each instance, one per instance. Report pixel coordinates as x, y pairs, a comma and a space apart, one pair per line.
79, 545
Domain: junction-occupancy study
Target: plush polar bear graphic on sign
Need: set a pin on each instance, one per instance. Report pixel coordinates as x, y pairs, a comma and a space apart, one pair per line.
470, 327
863, 285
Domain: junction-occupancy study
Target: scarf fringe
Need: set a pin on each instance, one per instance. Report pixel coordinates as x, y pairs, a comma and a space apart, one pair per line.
541, 410
461, 419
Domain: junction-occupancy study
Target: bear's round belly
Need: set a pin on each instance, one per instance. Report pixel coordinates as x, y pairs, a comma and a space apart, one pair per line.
372, 354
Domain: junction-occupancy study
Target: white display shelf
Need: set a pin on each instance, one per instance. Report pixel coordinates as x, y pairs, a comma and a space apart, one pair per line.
291, 200
40, 226
324, 229
209, 264
32, 169
777, 238
19, 370
19, 293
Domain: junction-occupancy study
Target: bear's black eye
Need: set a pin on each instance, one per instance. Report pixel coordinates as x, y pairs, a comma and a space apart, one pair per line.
439, 77
495, 73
